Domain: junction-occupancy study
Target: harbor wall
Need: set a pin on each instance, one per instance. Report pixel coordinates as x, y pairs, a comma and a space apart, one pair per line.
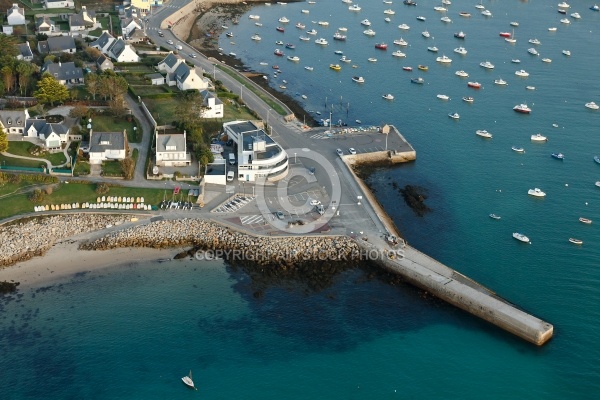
439, 280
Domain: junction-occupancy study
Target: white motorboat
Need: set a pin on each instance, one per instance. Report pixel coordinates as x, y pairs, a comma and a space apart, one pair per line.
460, 50
354, 7
533, 51
389, 12
440, 8
494, 216
501, 82
188, 380
358, 79
443, 97
369, 32
293, 58
312, 32
255, 37
398, 53
535, 41
547, 60
552, 29
566, 52
308, 68
404, 27
304, 38
388, 96
371, 59
254, 16
522, 73
468, 99
537, 192
284, 20
400, 42
538, 137
421, 18
323, 23
425, 34
444, 59
342, 29
522, 108
387, 19
486, 13
305, 12
345, 59
462, 74
321, 41
565, 21
518, 149
300, 25
483, 133
592, 106
445, 19
515, 61
564, 4
365, 22
576, 241
433, 49
487, 65
514, 24
454, 115
520, 237
597, 183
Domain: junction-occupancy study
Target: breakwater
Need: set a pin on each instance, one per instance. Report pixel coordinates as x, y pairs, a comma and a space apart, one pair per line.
28, 238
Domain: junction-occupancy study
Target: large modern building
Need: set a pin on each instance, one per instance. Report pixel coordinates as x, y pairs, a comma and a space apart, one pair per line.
257, 154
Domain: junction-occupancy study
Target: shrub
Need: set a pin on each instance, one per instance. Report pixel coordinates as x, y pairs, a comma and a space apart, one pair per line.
48, 190
36, 196
102, 188
14, 178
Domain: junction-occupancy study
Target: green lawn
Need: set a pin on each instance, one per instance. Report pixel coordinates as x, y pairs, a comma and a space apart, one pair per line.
264, 97
147, 90
108, 123
22, 149
82, 168
16, 162
74, 193
134, 68
111, 168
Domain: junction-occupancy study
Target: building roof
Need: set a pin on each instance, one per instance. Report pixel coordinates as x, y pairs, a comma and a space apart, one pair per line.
155, 76
38, 124
12, 118
136, 33
63, 71
102, 59
25, 50
49, 129
57, 44
208, 95
164, 143
117, 47
39, 21
15, 9
102, 141
170, 60
103, 40
79, 19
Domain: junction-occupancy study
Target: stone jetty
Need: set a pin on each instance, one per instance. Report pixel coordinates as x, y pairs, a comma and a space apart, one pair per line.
28, 238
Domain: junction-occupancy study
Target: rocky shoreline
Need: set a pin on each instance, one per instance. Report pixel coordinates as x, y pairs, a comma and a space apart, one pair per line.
32, 237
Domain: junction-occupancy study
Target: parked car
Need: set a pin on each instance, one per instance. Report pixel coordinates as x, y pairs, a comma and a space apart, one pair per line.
320, 209
170, 41
279, 215
339, 152
314, 202
193, 55
311, 170
351, 150
229, 176
178, 47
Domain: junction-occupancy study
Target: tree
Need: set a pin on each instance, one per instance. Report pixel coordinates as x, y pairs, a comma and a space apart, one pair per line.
128, 168
79, 111
50, 90
116, 86
204, 155
92, 84
8, 46
25, 70
117, 107
3, 141
92, 53
8, 76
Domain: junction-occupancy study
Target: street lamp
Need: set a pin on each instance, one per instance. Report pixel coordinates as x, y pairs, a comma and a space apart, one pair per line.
294, 158
241, 92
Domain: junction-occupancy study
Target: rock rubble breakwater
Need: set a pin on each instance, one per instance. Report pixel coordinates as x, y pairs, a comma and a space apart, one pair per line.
211, 239
26, 239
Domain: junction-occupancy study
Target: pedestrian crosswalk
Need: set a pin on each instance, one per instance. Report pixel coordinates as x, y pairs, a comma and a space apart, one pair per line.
320, 136
252, 219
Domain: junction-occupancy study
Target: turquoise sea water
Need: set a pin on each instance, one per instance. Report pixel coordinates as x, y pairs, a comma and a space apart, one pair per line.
133, 332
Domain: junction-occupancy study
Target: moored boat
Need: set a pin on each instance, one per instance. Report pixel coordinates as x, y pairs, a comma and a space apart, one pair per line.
339, 36
381, 46
576, 241
483, 133
464, 14
388, 96
522, 73
398, 53
423, 67
188, 380
418, 80
558, 156
280, 29
474, 85
494, 216
501, 82
487, 65
538, 137
278, 53
468, 99
597, 159
443, 97
400, 42
522, 108
566, 52
454, 115
460, 50
520, 237
335, 67
358, 79
407, 68
462, 74
536, 192
592, 106
518, 149
444, 59
460, 35
585, 220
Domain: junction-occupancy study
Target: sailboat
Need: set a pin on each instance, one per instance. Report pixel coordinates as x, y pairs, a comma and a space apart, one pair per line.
188, 380
511, 39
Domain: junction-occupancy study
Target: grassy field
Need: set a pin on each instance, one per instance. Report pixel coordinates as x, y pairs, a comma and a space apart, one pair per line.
135, 68
147, 90
17, 162
264, 97
22, 149
74, 193
163, 110
112, 168
108, 123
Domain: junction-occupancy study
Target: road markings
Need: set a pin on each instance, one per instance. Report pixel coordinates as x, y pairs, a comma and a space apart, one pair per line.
252, 219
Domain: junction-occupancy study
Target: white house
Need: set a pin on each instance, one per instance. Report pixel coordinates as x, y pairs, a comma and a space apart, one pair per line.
170, 63
46, 26
59, 3
103, 42
53, 135
129, 24
258, 155
13, 121
171, 150
15, 15
116, 49
25, 52
212, 105
106, 146
83, 20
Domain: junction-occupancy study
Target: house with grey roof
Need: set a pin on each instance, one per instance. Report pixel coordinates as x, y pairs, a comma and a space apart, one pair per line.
106, 146
57, 45
103, 42
25, 52
187, 78
50, 134
15, 15
59, 4
66, 73
212, 106
13, 121
171, 150
136, 35
122, 52
46, 26
128, 24
170, 63
103, 63
83, 20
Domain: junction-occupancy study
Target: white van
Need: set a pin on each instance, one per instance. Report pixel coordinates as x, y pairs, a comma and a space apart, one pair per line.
231, 158
178, 47
229, 176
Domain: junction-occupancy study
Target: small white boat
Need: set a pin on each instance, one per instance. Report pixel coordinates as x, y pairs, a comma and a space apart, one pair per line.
304, 38
400, 42
494, 216
188, 380
462, 74
311, 32
515, 61
284, 20
398, 53
386, 19
255, 37
365, 22
530, 87
564, 4
454, 115
566, 52
535, 41
388, 96
254, 16
592, 106
565, 21
518, 149
305, 12
440, 8
552, 29
547, 60
443, 97
293, 58
514, 24
404, 27
308, 68
538, 137
533, 51
263, 63
371, 59
520, 237
483, 133
258, 24
322, 42
576, 241
323, 23
597, 183
369, 32
501, 82
342, 29
487, 65
425, 34
486, 13
421, 18
445, 19
468, 99
358, 79
304, 97
522, 73
389, 11
537, 192
444, 59
460, 50
433, 49
354, 7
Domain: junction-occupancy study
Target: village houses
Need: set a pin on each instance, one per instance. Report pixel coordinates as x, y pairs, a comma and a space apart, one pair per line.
57, 45
15, 15
171, 150
105, 146
181, 75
